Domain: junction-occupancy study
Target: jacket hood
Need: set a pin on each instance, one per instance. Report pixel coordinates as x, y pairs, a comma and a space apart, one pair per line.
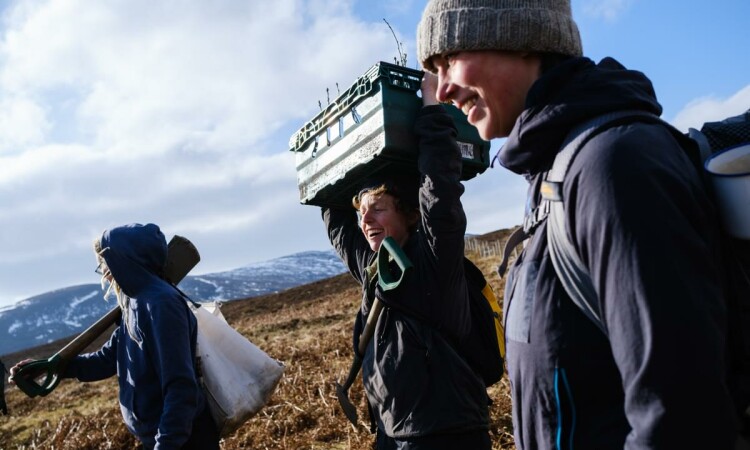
136, 255
567, 95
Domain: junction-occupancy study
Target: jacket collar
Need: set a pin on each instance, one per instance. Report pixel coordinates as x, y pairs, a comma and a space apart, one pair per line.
573, 92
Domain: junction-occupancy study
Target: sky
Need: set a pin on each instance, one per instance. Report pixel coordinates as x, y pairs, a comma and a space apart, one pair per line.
180, 112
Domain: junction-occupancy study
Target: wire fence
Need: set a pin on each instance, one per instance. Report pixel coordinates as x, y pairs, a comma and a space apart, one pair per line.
484, 248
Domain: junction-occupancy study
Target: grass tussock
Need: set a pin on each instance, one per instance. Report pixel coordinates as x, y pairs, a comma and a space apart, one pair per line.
308, 328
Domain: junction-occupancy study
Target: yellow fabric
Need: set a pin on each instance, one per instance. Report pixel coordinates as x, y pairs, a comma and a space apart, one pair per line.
489, 294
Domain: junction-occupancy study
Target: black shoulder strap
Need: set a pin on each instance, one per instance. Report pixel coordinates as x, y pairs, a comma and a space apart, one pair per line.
571, 271
474, 276
518, 236
184, 295
371, 281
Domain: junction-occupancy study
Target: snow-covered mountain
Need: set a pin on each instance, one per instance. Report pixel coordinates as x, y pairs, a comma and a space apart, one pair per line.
63, 312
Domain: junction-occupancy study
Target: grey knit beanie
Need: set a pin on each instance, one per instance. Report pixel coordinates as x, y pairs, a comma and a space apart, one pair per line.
516, 25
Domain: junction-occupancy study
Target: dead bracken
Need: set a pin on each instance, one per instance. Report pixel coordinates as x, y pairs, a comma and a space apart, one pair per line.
308, 328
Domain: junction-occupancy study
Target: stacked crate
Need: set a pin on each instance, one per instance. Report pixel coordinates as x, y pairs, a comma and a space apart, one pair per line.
368, 129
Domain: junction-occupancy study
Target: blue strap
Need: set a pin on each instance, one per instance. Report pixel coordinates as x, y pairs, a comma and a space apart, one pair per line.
560, 374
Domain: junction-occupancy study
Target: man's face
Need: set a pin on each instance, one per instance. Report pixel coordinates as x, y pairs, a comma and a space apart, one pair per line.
489, 86
381, 218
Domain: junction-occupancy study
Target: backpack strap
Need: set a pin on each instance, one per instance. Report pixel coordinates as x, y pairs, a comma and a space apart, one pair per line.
518, 236
185, 297
370, 282
571, 271
702, 141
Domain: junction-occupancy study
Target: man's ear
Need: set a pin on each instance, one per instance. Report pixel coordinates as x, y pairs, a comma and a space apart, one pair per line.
413, 218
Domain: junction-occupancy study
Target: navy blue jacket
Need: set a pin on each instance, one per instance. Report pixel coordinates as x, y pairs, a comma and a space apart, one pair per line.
417, 384
639, 217
159, 393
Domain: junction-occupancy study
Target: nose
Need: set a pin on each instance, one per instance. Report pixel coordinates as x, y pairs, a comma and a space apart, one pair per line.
366, 216
445, 88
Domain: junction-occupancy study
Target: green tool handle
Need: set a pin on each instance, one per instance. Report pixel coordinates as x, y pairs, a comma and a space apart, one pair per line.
389, 249
26, 378
27, 375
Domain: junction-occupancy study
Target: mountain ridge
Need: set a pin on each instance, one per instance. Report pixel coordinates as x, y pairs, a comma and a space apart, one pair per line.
47, 317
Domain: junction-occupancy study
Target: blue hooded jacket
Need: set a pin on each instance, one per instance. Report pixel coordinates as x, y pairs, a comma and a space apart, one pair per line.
160, 395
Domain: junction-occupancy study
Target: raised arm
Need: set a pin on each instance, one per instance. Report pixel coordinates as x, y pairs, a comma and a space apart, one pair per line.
439, 163
442, 215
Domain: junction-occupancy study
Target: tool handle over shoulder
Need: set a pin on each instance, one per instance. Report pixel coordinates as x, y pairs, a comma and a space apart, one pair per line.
40, 377
83, 340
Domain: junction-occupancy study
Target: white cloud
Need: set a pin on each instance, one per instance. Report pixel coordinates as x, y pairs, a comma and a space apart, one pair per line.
202, 76
177, 113
711, 108
23, 123
609, 10
41, 161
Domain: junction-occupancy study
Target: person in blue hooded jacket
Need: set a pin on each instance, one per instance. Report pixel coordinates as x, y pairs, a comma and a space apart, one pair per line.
153, 350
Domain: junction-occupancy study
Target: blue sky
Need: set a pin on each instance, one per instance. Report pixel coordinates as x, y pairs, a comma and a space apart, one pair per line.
180, 113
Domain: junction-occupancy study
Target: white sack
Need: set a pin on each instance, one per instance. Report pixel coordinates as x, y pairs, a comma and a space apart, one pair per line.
238, 377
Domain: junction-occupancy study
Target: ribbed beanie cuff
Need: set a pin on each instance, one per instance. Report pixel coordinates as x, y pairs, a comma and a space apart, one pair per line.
514, 25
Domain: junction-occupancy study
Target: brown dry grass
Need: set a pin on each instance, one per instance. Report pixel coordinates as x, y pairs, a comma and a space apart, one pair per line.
308, 328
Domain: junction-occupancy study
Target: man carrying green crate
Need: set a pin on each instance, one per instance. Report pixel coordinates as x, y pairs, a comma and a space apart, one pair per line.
422, 394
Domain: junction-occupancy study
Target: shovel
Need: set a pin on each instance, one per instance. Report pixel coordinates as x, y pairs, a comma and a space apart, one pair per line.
182, 256
389, 249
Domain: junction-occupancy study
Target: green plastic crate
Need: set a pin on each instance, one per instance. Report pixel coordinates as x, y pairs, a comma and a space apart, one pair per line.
369, 129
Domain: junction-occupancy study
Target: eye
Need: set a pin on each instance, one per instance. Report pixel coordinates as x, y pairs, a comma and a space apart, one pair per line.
450, 58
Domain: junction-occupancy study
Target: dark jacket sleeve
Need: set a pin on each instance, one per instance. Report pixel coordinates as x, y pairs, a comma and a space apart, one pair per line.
443, 218
645, 228
97, 365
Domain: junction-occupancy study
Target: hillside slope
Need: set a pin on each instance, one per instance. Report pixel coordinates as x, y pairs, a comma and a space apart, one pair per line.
308, 328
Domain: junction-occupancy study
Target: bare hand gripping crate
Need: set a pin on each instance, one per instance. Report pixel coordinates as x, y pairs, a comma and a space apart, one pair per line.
368, 129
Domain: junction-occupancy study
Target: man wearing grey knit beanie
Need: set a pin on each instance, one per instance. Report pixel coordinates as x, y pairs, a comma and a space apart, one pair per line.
639, 363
